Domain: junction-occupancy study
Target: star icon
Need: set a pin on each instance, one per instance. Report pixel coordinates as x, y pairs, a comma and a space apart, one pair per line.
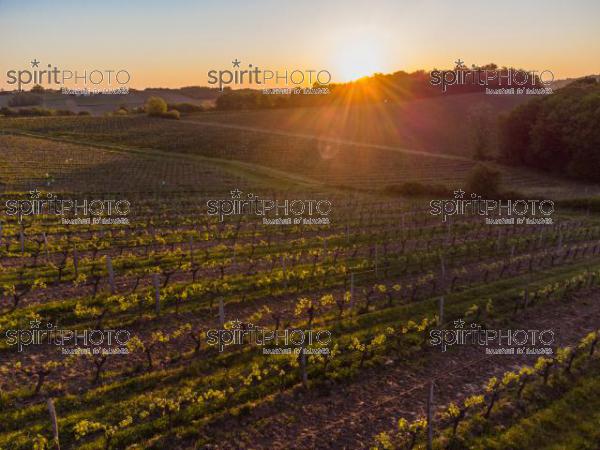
459, 194
459, 323
236, 62
35, 63
34, 323
34, 194
236, 193
236, 324
459, 63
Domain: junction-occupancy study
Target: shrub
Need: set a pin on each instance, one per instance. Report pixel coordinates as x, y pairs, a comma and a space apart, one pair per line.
27, 112
37, 112
121, 112
173, 114
156, 106
186, 107
484, 181
64, 112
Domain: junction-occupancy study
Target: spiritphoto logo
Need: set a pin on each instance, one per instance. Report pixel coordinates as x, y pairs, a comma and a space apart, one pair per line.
74, 211
279, 212
284, 341
254, 75
51, 76
495, 341
507, 212
491, 76
87, 341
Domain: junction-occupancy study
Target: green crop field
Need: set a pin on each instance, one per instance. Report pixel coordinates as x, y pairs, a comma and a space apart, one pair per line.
372, 276
338, 163
284, 225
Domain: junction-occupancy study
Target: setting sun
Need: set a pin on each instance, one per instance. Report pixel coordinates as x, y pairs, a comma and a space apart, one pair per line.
359, 56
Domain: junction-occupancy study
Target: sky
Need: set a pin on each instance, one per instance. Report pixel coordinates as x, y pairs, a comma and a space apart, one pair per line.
175, 43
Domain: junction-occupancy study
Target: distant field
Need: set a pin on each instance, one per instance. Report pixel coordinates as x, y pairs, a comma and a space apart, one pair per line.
101, 104
28, 163
329, 162
322, 159
438, 124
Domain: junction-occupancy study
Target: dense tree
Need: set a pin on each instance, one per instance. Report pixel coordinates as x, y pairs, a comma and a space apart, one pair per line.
156, 106
559, 133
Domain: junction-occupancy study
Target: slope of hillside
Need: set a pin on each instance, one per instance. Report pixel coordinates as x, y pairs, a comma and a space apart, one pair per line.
440, 124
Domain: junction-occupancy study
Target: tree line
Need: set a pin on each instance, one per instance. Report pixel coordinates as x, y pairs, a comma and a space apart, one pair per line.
558, 133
